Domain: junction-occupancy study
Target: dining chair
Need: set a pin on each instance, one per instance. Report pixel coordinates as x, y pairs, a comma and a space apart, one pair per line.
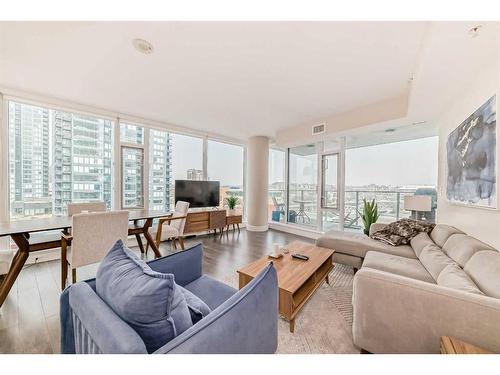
78, 208
172, 228
92, 235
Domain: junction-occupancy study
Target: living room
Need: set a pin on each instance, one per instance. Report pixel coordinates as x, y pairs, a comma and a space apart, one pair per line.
249, 186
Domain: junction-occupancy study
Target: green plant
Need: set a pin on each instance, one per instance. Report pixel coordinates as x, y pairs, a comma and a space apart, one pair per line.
232, 201
370, 214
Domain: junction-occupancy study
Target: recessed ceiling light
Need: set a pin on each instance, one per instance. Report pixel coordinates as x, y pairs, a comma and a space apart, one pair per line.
474, 31
143, 46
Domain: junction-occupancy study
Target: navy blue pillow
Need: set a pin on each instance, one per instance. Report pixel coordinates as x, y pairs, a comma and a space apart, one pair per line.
197, 307
149, 301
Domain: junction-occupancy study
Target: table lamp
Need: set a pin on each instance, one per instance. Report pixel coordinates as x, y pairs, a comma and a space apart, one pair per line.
418, 203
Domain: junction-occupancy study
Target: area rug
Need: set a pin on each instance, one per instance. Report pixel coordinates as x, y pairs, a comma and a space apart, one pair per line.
324, 325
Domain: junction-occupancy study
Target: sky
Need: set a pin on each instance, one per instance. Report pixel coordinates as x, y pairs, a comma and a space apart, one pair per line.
413, 162
225, 161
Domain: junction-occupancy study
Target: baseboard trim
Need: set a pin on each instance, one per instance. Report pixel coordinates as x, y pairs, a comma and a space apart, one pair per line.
294, 229
257, 228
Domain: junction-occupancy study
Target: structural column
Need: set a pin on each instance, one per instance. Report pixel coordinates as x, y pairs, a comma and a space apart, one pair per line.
257, 183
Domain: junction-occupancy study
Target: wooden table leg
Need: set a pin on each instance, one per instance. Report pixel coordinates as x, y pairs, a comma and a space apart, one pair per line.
147, 224
138, 238
327, 279
139, 241
16, 266
292, 325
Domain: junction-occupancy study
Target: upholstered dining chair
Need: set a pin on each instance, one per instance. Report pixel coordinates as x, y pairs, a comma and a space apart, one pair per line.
170, 228
92, 235
78, 208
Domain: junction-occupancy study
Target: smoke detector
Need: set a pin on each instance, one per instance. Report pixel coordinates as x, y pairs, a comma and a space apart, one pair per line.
474, 31
143, 46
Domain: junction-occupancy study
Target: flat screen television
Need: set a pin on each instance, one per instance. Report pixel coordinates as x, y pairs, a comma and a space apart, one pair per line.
198, 193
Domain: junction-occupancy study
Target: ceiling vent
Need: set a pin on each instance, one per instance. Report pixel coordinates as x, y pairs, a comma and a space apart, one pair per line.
319, 129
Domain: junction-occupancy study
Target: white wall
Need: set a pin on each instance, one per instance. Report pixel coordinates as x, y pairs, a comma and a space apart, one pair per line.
478, 222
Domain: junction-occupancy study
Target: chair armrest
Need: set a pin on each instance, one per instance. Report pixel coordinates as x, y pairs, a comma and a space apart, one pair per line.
186, 265
375, 227
396, 314
109, 334
246, 323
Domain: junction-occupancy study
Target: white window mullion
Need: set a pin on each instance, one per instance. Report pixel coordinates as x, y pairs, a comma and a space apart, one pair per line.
205, 158
145, 177
117, 170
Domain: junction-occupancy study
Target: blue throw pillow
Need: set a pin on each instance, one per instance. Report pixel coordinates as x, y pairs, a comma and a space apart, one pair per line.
149, 301
197, 307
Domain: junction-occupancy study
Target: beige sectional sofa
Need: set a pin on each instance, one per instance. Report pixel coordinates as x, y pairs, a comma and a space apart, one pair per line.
406, 297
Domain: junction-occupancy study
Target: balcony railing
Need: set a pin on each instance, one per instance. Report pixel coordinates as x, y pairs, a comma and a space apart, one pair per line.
303, 208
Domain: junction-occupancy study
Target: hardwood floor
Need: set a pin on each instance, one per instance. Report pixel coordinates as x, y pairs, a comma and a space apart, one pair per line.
29, 318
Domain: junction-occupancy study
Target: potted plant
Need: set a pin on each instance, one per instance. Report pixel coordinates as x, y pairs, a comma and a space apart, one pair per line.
370, 214
231, 202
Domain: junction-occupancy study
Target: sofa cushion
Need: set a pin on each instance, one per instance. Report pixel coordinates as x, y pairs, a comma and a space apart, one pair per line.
197, 307
397, 265
420, 241
484, 269
211, 291
358, 244
461, 247
455, 277
442, 232
149, 301
434, 260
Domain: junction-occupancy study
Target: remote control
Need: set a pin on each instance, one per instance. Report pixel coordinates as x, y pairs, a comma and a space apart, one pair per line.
300, 256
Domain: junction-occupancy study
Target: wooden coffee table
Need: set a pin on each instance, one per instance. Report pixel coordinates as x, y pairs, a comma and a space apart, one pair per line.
297, 279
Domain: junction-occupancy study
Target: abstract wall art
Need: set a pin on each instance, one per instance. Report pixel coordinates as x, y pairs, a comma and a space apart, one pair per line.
471, 159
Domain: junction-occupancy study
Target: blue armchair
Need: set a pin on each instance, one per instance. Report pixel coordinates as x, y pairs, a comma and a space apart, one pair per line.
243, 321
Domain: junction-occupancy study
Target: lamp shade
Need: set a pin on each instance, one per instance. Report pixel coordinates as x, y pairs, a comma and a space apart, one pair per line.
418, 203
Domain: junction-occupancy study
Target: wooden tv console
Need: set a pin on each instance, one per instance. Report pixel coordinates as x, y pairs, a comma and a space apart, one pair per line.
208, 220
199, 221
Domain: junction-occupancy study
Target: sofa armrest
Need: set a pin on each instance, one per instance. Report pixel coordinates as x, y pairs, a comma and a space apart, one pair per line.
186, 265
396, 314
375, 227
109, 334
246, 323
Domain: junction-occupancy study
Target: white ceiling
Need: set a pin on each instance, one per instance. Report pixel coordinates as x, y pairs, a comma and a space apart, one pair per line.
236, 79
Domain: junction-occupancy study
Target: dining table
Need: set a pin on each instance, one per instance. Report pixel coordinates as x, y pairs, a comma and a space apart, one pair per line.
36, 234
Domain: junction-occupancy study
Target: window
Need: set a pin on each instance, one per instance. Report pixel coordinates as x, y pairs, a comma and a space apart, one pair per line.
187, 159
160, 170
276, 201
302, 185
131, 134
132, 177
387, 173
225, 164
56, 157
132, 165
329, 197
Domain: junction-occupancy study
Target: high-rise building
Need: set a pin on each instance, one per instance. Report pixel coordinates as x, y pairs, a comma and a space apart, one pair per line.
29, 160
160, 170
194, 174
82, 160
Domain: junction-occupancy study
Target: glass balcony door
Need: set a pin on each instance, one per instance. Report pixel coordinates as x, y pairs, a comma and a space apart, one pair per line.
303, 185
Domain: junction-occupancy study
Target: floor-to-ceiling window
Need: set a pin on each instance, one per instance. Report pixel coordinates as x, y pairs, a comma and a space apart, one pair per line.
225, 164
387, 172
61, 156
57, 157
160, 169
132, 165
187, 160
303, 185
277, 188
